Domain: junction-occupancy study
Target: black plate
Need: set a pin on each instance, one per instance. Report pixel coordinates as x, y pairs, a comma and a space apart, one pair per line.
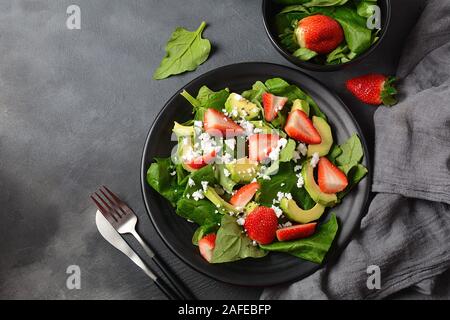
270, 9
276, 268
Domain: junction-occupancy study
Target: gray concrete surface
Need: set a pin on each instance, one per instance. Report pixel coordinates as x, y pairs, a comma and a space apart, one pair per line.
75, 109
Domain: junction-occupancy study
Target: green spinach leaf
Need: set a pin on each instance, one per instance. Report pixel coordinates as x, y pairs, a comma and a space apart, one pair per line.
185, 51
232, 244
160, 179
352, 154
283, 181
313, 248
202, 212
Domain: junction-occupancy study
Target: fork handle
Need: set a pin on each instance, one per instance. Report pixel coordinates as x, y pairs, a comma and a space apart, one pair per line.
170, 275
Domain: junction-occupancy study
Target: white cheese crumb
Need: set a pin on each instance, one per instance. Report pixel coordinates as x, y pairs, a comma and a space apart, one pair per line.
240, 221
315, 159
188, 195
191, 182
297, 168
303, 149
300, 181
197, 195
230, 143
254, 243
173, 173
204, 185
226, 173
277, 210
198, 124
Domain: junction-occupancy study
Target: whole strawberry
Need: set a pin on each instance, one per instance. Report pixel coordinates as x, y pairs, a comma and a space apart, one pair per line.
319, 33
374, 89
261, 225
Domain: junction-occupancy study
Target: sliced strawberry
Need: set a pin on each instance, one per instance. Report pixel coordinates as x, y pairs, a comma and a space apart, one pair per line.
261, 145
206, 246
300, 127
201, 161
261, 225
244, 195
216, 123
296, 232
329, 177
272, 105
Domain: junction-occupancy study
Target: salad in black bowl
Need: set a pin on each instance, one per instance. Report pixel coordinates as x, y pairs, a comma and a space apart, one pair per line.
324, 35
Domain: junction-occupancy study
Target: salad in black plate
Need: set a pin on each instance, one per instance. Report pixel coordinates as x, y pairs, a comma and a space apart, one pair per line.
256, 171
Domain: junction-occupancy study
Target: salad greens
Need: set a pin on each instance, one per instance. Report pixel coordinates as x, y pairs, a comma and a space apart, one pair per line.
210, 193
185, 51
352, 15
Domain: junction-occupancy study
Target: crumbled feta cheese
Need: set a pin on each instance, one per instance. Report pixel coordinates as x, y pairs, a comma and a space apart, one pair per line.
247, 126
227, 158
282, 184
189, 220
277, 210
188, 195
300, 181
315, 159
204, 185
285, 225
303, 149
230, 143
173, 173
296, 156
198, 124
226, 173
191, 182
240, 221
234, 112
257, 130
254, 243
297, 168
238, 97
197, 195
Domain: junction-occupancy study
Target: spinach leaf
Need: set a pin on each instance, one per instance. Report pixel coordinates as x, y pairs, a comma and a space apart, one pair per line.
304, 54
302, 198
335, 152
365, 8
206, 98
160, 179
354, 176
255, 93
232, 244
313, 248
202, 231
288, 151
352, 154
203, 174
313, 3
224, 180
357, 35
283, 181
202, 212
185, 51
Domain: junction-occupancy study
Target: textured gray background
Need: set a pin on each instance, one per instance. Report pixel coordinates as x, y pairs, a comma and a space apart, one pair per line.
75, 109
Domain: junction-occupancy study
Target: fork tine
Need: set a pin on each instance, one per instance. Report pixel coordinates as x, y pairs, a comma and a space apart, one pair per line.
106, 213
115, 199
110, 207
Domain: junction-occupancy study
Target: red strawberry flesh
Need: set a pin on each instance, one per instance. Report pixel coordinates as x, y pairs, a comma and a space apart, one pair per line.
261, 225
300, 127
244, 195
296, 232
329, 177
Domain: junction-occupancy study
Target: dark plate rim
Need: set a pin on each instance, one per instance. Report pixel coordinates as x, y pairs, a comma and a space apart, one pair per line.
331, 255
317, 67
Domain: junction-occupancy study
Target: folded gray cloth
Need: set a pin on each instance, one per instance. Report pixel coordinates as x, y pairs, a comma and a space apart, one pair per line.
406, 231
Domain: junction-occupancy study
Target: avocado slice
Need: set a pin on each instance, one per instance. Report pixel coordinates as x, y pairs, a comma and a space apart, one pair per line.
327, 138
295, 213
239, 107
223, 206
302, 105
182, 131
325, 199
243, 170
252, 205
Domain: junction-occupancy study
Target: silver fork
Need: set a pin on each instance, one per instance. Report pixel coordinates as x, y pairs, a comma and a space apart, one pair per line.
124, 220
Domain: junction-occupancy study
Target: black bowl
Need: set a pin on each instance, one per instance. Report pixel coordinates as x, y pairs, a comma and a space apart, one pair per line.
177, 232
270, 9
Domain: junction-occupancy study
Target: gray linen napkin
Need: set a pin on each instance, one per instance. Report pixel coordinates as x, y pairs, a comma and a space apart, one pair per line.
406, 231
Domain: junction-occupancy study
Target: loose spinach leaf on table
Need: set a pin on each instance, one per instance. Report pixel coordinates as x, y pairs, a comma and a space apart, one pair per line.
232, 244
185, 51
160, 179
313, 248
202, 212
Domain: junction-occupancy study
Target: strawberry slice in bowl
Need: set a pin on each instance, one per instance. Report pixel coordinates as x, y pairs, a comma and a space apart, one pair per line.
216, 123
206, 246
200, 161
272, 105
330, 178
296, 232
244, 195
261, 145
300, 127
